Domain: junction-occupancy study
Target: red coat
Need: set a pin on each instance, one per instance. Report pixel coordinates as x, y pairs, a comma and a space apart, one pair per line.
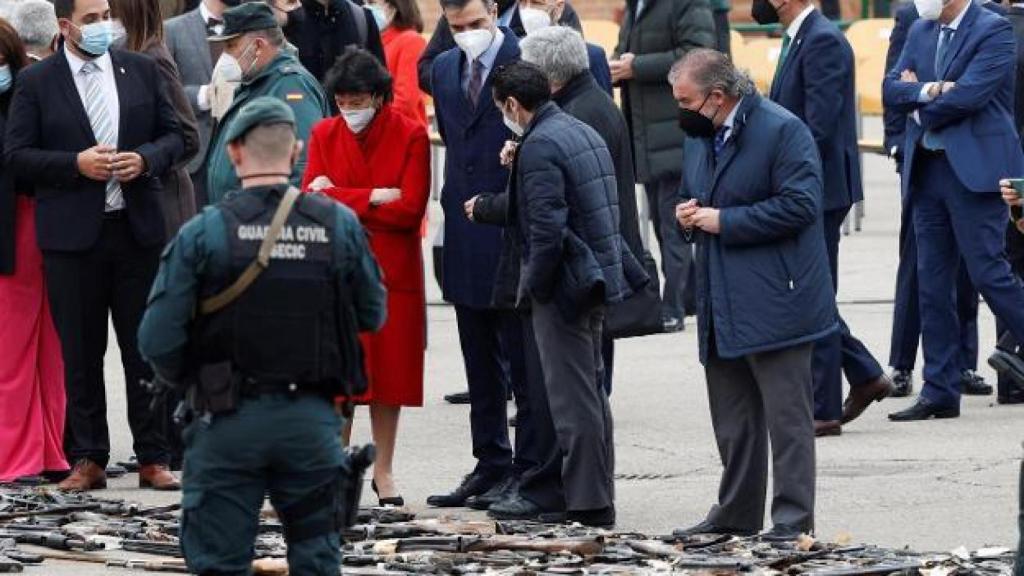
394, 154
402, 49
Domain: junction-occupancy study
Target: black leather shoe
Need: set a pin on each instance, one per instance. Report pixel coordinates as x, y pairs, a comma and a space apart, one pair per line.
972, 384
903, 383
672, 324
600, 518
782, 533
391, 501
515, 507
457, 398
706, 527
497, 493
924, 410
473, 484
1008, 365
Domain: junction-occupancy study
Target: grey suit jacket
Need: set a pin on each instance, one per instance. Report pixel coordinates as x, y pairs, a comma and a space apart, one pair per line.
185, 37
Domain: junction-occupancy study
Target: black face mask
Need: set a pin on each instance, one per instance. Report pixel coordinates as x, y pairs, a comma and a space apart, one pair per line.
695, 124
763, 12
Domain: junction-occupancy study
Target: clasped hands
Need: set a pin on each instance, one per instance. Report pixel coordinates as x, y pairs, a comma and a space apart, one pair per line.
691, 215
378, 196
935, 89
102, 162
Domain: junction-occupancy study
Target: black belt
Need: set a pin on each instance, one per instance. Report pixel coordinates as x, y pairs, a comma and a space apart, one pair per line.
258, 387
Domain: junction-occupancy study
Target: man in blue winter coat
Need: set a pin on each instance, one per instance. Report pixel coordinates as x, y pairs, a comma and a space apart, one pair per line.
752, 201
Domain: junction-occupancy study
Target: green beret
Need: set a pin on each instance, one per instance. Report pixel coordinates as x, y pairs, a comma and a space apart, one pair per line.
260, 111
243, 18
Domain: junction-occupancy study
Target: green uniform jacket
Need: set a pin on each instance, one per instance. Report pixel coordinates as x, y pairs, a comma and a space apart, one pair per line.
665, 30
201, 248
283, 78
721, 5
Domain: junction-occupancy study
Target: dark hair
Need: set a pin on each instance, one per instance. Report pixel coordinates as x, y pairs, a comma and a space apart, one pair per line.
460, 4
357, 71
407, 15
13, 51
523, 81
142, 22
63, 8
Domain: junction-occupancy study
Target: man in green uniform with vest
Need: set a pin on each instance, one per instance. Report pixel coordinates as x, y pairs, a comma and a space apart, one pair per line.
256, 308
253, 38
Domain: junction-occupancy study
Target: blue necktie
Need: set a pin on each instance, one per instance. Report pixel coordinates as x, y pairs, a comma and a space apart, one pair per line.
720, 137
931, 140
942, 49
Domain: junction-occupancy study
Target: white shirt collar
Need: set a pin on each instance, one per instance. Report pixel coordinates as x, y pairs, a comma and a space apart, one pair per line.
730, 120
795, 25
955, 24
76, 63
204, 11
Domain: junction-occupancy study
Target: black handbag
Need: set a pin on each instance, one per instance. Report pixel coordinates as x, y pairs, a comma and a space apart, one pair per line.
640, 314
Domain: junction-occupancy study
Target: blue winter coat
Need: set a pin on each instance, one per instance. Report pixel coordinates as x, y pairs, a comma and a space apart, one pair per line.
565, 198
763, 281
473, 140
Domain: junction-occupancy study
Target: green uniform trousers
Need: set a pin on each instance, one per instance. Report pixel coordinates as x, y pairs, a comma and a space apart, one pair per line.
286, 445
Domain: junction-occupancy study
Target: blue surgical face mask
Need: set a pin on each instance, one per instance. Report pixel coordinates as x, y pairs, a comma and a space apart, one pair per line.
97, 37
379, 15
6, 79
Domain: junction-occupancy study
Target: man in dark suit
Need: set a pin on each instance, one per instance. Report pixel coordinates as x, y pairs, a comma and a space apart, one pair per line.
93, 130
491, 339
1007, 358
955, 79
814, 81
185, 37
763, 295
508, 16
906, 322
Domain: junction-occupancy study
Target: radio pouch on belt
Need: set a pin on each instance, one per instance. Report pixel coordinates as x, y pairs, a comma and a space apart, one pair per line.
256, 267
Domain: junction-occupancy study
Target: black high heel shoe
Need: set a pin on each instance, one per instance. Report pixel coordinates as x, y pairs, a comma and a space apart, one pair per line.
393, 501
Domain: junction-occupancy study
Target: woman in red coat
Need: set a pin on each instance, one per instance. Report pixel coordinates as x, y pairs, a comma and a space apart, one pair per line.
377, 162
400, 24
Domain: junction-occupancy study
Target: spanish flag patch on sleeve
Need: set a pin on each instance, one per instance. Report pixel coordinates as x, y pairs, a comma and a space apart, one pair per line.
293, 96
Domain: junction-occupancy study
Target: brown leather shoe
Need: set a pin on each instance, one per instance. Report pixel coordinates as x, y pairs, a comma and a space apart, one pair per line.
157, 477
86, 475
862, 396
827, 428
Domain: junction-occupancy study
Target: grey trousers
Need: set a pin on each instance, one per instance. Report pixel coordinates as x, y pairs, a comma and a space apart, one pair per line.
753, 399
570, 354
679, 293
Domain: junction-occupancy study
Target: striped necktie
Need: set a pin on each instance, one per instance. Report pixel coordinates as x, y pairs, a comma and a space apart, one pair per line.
102, 126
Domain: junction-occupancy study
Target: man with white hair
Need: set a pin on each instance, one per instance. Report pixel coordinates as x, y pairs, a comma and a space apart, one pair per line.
36, 24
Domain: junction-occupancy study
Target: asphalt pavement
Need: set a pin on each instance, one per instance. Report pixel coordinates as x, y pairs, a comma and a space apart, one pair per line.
929, 485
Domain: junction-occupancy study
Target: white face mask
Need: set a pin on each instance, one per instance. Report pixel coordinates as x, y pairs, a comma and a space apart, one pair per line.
534, 19
227, 69
474, 42
358, 120
513, 125
929, 9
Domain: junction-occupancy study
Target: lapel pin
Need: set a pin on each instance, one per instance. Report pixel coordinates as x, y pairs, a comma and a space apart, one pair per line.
122, 70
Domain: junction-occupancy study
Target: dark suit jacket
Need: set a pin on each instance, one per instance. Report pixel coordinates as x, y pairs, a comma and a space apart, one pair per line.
816, 84
7, 212
179, 196
1016, 17
975, 118
442, 40
47, 128
763, 282
895, 122
473, 140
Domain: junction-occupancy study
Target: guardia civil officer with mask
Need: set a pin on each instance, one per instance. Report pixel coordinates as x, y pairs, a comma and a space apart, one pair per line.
255, 47
261, 332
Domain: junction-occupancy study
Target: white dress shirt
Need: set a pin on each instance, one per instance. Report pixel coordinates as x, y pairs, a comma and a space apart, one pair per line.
108, 88
206, 14
795, 25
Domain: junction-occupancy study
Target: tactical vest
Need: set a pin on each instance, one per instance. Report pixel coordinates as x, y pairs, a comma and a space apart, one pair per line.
285, 326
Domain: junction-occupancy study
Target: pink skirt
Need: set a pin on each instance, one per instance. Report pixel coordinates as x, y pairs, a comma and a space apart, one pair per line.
32, 398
